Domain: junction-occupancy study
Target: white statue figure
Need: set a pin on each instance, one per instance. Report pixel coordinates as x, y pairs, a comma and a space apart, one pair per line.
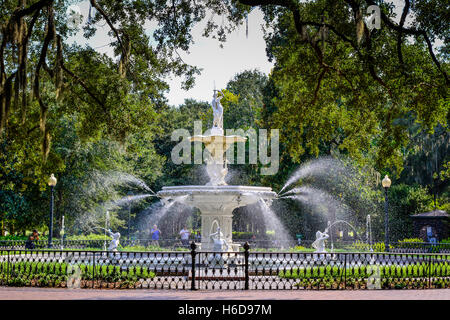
217, 173
114, 244
217, 111
319, 244
219, 245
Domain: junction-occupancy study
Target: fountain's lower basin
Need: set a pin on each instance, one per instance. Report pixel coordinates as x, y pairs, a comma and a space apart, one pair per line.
216, 204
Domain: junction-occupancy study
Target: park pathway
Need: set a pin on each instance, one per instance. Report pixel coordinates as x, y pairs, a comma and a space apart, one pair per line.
10, 293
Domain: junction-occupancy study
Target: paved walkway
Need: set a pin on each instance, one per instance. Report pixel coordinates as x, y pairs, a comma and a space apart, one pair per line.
8, 293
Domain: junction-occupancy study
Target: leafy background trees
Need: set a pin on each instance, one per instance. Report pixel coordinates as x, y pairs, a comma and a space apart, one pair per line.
377, 98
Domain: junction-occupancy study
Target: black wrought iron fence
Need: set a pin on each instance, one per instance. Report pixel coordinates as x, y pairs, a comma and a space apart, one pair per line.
286, 244
243, 270
419, 247
176, 244
93, 244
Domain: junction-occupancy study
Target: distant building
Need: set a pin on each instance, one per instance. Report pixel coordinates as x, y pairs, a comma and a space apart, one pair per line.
431, 224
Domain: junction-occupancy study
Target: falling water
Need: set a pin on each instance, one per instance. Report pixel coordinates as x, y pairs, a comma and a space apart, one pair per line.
160, 209
129, 199
104, 191
345, 222
368, 230
92, 217
273, 223
112, 179
321, 201
99, 228
322, 167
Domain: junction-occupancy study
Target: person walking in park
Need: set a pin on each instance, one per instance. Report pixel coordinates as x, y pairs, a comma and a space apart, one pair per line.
30, 244
184, 234
156, 234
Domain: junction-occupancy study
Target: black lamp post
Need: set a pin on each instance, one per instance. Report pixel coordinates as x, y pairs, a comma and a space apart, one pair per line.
386, 183
52, 183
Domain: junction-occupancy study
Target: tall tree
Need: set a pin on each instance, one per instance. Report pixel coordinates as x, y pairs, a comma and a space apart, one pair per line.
343, 84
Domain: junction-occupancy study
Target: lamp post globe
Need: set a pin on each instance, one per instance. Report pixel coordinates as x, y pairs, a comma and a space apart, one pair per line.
52, 180
52, 183
386, 183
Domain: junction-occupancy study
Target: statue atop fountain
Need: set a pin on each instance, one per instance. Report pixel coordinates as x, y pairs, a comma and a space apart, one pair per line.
114, 244
217, 113
319, 244
217, 145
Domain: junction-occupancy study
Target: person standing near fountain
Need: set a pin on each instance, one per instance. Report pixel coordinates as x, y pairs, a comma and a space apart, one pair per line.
184, 234
156, 233
30, 244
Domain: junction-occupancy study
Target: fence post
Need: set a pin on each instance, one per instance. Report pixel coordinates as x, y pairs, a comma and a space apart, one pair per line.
7, 270
193, 254
246, 255
345, 271
93, 269
429, 272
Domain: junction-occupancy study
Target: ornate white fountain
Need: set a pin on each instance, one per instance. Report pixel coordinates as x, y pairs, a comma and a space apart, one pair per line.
216, 200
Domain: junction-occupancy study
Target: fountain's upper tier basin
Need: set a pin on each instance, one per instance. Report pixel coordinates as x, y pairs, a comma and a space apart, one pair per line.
225, 197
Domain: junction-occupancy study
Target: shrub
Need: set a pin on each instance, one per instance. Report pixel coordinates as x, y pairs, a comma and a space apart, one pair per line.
300, 248
363, 246
11, 237
237, 235
91, 236
410, 240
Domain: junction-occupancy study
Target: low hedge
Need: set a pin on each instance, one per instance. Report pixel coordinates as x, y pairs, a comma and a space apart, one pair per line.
55, 274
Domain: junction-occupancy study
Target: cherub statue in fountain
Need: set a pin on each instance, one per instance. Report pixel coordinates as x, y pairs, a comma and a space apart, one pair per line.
114, 244
319, 244
217, 111
219, 245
